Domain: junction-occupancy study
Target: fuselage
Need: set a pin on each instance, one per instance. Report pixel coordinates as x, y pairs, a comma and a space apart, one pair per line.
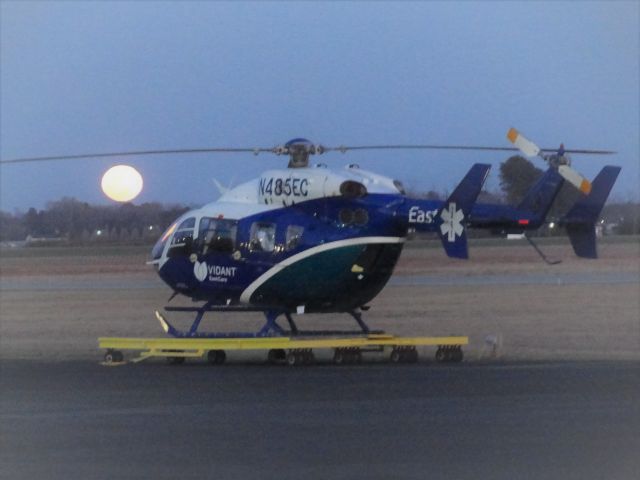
306, 237
310, 238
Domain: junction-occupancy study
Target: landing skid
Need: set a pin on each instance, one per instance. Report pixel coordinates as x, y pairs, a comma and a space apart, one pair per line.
271, 328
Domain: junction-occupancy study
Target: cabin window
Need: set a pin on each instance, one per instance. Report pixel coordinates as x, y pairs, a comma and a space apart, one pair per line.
346, 216
217, 235
361, 217
263, 237
293, 237
358, 217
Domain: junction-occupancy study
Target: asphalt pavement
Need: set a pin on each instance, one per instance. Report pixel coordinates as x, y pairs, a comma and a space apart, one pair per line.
538, 420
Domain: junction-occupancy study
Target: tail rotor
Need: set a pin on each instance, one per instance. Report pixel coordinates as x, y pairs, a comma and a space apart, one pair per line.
557, 159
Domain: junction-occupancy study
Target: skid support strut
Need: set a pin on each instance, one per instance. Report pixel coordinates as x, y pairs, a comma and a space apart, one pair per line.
292, 324
357, 315
271, 328
196, 323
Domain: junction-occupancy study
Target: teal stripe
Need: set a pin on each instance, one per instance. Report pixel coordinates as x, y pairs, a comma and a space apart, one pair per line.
318, 276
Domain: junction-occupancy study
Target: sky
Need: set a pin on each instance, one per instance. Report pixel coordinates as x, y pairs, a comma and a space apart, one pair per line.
79, 77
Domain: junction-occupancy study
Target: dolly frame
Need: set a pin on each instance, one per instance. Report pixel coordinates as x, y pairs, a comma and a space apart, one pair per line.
182, 348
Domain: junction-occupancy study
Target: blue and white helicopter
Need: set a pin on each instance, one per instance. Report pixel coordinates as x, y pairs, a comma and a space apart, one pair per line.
309, 239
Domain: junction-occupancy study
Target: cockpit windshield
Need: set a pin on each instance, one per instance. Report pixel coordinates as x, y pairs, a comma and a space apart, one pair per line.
180, 232
158, 248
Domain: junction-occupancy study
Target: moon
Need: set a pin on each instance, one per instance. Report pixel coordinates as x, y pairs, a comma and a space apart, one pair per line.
122, 183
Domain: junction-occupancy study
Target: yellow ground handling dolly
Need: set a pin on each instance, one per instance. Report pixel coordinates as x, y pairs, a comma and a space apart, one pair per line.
289, 350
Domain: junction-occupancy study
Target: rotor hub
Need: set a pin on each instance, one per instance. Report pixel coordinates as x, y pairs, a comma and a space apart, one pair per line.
299, 150
556, 160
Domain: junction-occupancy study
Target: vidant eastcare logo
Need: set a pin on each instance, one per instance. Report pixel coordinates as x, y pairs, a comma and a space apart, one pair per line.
214, 273
452, 222
200, 270
417, 215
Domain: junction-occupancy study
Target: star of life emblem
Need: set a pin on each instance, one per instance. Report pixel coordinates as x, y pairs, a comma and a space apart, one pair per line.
452, 222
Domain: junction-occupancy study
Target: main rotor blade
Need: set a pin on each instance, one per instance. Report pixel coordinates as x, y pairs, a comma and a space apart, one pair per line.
255, 151
344, 148
275, 150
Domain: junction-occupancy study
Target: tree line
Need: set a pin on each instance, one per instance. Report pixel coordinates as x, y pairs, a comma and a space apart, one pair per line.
79, 222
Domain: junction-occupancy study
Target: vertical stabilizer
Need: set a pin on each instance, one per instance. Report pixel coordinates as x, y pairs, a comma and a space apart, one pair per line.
580, 220
456, 210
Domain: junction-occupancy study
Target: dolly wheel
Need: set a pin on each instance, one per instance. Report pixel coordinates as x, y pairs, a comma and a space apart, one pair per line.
338, 357
309, 358
441, 355
458, 355
292, 358
396, 356
113, 356
276, 355
273, 356
221, 357
357, 356
412, 356
216, 357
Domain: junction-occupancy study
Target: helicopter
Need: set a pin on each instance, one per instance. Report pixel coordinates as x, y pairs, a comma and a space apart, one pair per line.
310, 239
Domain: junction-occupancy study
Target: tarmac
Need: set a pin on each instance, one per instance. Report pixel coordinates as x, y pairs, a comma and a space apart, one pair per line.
504, 420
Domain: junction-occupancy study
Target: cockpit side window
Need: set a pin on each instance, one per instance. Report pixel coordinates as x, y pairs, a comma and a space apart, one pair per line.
293, 237
263, 237
182, 240
158, 248
188, 224
217, 235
